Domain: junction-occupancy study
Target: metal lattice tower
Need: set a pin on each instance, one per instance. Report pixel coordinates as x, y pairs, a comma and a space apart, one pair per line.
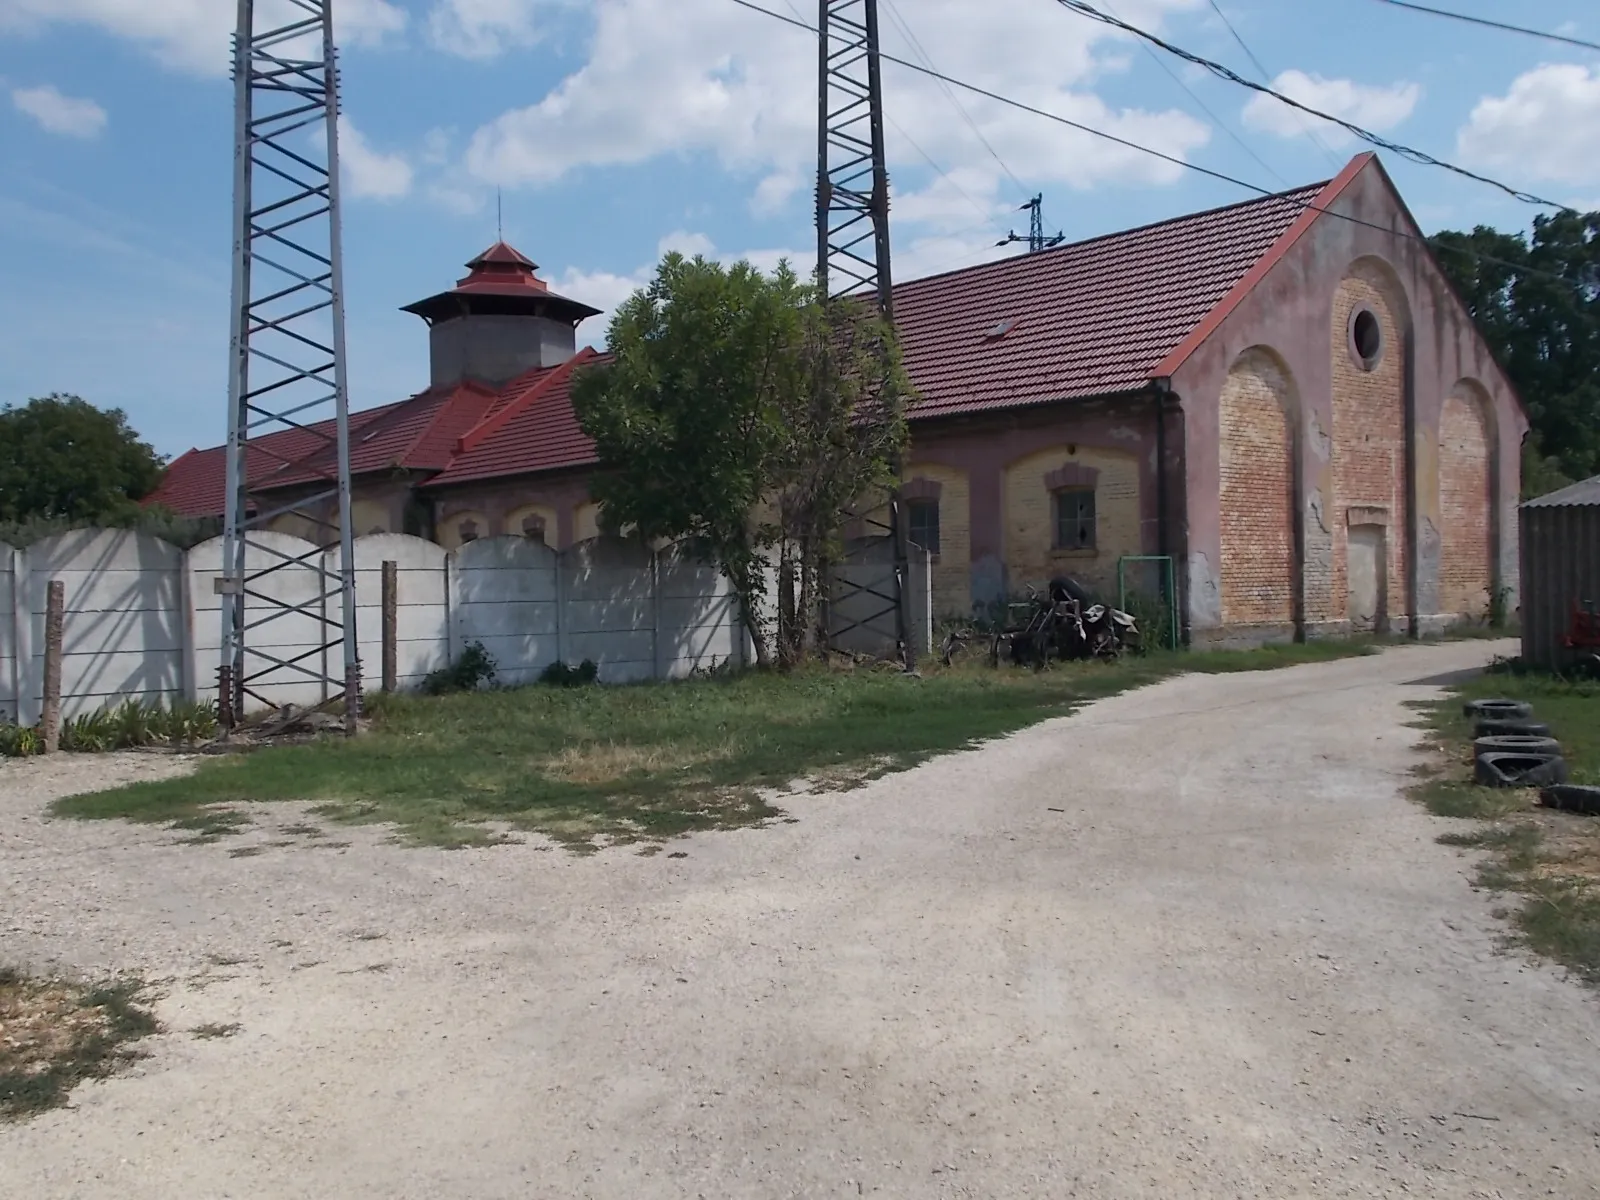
287, 370
1036, 238
853, 224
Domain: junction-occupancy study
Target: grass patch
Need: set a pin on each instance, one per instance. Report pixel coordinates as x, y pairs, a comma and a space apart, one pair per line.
53, 1034
1550, 860
212, 1031
591, 766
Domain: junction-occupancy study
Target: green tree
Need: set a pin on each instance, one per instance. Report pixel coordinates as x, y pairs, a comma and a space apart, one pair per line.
61, 458
843, 427
1537, 300
686, 418
731, 394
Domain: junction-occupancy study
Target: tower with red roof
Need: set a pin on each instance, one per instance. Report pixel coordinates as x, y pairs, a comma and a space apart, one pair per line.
498, 322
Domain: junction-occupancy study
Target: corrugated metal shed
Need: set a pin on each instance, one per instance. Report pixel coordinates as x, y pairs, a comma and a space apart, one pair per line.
1560, 567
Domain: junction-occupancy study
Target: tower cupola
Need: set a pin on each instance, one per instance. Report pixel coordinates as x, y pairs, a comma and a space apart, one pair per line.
498, 322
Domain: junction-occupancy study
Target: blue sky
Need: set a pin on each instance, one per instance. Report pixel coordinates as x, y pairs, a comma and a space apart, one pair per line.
617, 128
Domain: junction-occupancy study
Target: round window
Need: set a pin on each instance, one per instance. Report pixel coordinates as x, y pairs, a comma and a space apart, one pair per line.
1366, 338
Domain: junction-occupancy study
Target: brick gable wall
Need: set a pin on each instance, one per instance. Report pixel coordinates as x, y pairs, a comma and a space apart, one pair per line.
1257, 493
1465, 496
1368, 443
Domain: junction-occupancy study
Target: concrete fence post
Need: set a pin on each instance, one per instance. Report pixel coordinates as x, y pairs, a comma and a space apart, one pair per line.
657, 671
561, 603
54, 619
452, 608
21, 625
391, 621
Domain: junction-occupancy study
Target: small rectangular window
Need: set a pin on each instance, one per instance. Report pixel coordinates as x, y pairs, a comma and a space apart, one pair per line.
922, 524
1075, 527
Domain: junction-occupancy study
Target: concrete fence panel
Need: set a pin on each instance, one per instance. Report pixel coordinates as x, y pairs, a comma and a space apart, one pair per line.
698, 622
504, 594
123, 629
608, 608
143, 619
422, 612
282, 635
860, 619
10, 674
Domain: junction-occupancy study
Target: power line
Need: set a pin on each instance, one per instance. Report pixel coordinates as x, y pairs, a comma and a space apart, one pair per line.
1366, 135
1304, 205
917, 49
1455, 16
989, 218
1215, 120
1266, 77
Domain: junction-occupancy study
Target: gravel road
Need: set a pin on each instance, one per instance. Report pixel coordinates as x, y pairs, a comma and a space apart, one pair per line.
1190, 942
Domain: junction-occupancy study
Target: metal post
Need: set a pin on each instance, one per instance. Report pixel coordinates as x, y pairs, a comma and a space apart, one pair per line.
230, 702
391, 622
853, 218
54, 617
288, 424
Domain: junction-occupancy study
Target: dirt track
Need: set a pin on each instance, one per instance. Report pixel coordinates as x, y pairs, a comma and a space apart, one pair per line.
1236, 964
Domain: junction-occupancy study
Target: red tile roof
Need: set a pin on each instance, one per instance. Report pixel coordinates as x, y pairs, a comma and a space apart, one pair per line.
1094, 318
1089, 319
195, 482
537, 431
504, 274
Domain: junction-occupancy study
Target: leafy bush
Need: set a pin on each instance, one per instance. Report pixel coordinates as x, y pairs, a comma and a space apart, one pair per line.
474, 669
90, 732
19, 741
183, 532
186, 723
123, 726
135, 723
558, 674
1155, 620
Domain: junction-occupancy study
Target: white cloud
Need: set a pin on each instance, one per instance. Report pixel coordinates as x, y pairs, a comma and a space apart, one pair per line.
914, 258
607, 289
705, 77
66, 115
1369, 105
485, 28
773, 192
193, 35
1547, 124
366, 173
687, 244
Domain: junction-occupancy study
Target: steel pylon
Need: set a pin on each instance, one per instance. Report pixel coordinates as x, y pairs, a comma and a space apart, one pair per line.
853, 229
287, 371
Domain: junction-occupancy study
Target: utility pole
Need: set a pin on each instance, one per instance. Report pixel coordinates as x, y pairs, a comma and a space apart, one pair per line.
287, 371
853, 230
1036, 239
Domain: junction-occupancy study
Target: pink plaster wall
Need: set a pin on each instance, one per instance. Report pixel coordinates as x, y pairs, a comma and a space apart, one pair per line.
1290, 311
985, 445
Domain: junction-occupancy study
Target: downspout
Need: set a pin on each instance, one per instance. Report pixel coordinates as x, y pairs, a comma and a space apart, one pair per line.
1161, 389
1161, 394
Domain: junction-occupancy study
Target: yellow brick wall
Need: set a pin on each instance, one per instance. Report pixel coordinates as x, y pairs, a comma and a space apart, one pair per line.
515, 518
586, 521
1257, 493
952, 569
1369, 442
369, 516
1464, 503
449, 530
1029, 518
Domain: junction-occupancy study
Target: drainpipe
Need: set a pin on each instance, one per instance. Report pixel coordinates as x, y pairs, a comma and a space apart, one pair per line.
1162, 388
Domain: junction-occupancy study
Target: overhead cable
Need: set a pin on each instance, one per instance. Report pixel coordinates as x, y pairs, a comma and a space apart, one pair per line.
1311, 130
1406, 152
1304, 205
1501, 25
